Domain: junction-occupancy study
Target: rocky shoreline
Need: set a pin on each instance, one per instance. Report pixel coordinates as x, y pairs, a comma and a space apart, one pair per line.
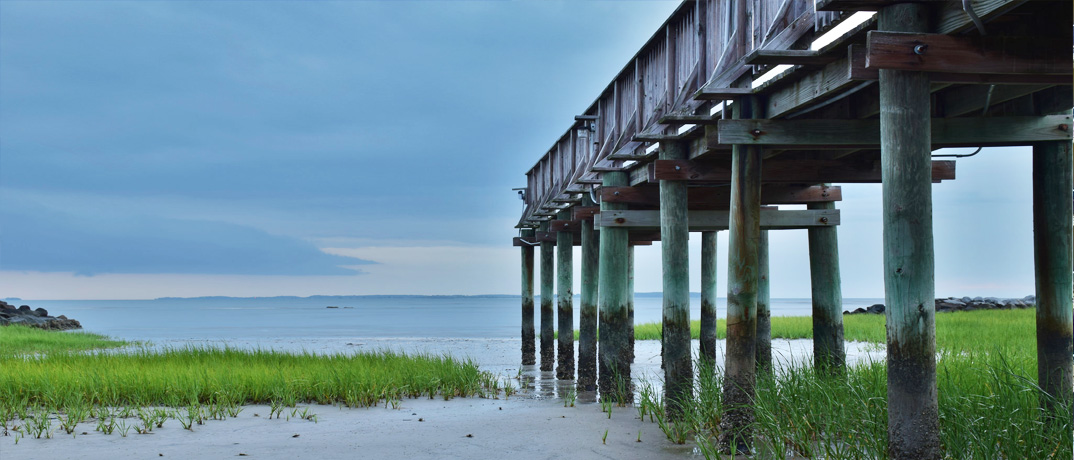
960, 304
37, 317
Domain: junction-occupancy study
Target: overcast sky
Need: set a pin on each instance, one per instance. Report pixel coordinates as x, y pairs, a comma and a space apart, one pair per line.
242, 148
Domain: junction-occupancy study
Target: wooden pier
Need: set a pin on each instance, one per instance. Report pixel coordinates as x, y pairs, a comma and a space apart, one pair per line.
735, 108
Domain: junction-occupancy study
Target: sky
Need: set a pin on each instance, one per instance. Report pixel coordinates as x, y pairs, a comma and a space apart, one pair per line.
243, 148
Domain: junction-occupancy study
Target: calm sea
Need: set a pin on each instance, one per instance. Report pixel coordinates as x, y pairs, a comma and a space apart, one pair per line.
271, 319
484, 329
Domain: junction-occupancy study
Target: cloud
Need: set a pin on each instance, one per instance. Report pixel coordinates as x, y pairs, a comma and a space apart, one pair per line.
89, 243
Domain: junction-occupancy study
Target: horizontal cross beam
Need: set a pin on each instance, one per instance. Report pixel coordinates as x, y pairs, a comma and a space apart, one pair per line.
980, 55
946, 132
703, 221
720, 197
858, 55
640, 239
800, 171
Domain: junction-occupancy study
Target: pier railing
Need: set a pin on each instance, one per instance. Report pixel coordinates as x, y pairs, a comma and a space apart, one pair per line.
703, 42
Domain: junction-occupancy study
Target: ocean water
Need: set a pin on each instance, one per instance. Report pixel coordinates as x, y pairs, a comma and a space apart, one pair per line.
271, 319
484, 329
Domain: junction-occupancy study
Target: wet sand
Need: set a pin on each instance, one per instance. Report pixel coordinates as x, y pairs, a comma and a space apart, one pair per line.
420, 429
531, 424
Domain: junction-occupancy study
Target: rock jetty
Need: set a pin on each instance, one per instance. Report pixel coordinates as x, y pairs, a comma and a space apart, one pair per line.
37, 317
961, 304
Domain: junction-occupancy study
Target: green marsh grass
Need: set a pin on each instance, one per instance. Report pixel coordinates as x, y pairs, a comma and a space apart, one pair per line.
976, 329
20, 340
49, 376
178, 377
988, 399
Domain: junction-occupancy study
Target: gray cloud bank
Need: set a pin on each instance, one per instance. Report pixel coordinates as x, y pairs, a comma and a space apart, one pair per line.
51, 241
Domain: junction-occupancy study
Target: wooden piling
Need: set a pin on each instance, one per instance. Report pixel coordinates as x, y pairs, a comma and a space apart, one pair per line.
1052, 182
744, 236
708, 296
674, 243
587, 317
548, 275
829, 356
528, 345
764, 313
909, 272
612, 299
565, 300
630, 304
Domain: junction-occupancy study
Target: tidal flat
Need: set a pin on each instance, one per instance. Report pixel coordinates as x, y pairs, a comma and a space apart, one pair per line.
58, 400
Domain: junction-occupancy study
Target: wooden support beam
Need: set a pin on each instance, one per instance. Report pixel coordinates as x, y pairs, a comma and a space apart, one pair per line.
946, 132
779, 170
565, 298
721, 94
568, 225
585, 212
736, 432
789, 57
909, 257
708, 296
829, 355
630, 300
1052, 182
528, 335
612, 300
678, 118
864, 5
548, 277
674, 251
587, 316
652, 137
859, 72
764, 312
978, 55
701, 221
720, 197
525, 241
811, 88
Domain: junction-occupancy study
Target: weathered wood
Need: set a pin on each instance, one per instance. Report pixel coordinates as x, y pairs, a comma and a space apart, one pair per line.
834, 78
612, 300
829, 355
700, 198
708, 296
789, 57
736, 433
810, 88
909, 272
701, 221
861, 5
584, 212
630, 301
721, 94
528, 334
655, 137
857, 71
565, 299
980, 55
781, 170
946, 132
587, 316
527, 241
565, 225
764, 312
1052, 182
548, 276
674, 251
677, 118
